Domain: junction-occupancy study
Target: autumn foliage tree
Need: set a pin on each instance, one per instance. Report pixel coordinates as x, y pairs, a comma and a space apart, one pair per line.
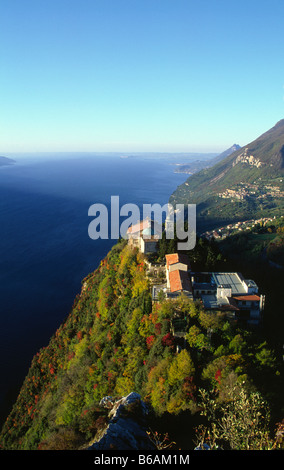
115, 341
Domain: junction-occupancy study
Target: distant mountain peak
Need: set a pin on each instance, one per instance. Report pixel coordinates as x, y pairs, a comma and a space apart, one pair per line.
225, 154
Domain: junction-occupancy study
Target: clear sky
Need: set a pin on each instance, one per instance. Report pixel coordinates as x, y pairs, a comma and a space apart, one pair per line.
139, 75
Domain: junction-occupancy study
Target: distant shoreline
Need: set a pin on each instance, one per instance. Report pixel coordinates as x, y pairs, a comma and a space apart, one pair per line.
4, 161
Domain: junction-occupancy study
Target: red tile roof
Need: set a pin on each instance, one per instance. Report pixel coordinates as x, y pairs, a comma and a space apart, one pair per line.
139, 226
177, 258
179, 280
247, 297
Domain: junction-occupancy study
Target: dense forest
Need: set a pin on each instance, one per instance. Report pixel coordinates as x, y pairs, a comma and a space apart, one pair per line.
182, 360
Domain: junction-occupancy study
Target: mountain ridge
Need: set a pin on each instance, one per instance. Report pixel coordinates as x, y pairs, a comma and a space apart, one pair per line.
251, 176
197, 165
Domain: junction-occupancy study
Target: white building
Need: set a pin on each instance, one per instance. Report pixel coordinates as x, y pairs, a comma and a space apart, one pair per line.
229, 292
144, 235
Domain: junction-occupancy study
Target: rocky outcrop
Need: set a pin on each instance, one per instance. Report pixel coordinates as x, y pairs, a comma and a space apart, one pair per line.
248, 159
127, 426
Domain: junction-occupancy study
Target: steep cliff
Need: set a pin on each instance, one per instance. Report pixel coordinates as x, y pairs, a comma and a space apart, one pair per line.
116, 343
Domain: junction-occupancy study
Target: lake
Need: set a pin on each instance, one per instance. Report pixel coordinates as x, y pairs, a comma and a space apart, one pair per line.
45, 250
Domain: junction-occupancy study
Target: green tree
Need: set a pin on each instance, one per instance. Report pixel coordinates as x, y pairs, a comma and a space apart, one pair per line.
211, 320
266, 358
197, 339
237, 344
181, 367
241, 423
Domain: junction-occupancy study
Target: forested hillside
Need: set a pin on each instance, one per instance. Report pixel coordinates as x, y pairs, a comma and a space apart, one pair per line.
246, 184
174, 354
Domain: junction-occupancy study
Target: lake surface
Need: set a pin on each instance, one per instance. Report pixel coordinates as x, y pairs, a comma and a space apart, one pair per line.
45, 250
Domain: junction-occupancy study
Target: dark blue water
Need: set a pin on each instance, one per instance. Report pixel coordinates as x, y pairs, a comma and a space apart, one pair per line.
45, 250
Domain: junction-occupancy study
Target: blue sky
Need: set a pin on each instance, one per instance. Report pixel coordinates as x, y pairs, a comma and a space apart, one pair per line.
139, 75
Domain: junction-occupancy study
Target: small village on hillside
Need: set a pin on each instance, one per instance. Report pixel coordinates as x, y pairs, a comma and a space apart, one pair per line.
256, 190
227, 292
240, 226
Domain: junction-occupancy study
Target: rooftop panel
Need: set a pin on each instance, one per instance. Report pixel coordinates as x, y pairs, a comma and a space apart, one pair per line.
233, 279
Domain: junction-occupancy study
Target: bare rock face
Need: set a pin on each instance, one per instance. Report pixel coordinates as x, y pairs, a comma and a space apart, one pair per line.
127, 427
249, 159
